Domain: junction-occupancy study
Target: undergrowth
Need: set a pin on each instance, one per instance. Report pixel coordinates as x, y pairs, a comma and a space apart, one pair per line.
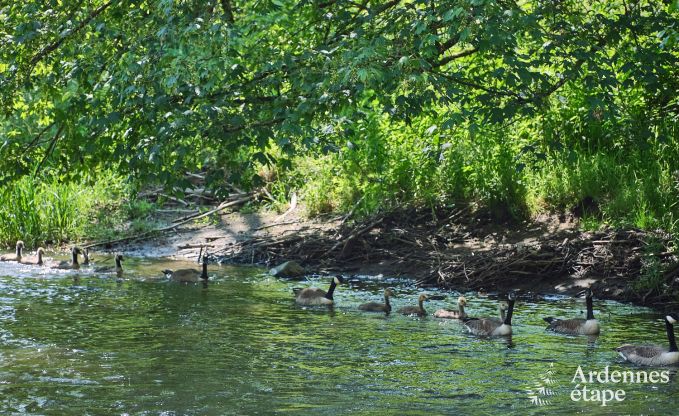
52, 212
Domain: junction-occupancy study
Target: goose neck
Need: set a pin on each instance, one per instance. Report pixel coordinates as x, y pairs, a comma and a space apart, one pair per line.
510, 312
670, 336
590, 308
203, 274
331, 290
421, 304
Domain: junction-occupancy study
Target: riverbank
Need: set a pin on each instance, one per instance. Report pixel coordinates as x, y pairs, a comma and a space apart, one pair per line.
460, 248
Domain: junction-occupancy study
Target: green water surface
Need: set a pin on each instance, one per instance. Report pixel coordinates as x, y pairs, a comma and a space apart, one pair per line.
78, 343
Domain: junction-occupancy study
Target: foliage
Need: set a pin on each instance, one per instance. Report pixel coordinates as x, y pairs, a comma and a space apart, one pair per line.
159, 87
54, 212
521, 107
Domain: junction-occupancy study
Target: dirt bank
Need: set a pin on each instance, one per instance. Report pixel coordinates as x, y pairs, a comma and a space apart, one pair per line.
457, 248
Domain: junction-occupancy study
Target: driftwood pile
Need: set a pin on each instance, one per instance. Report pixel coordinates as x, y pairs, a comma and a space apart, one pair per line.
454, 250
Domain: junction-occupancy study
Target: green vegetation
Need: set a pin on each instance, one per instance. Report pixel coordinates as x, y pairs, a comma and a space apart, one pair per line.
518, 107
54, 212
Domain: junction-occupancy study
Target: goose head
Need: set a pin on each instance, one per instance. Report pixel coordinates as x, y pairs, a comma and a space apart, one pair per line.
388, 293
462, 301
422, 298
672, 318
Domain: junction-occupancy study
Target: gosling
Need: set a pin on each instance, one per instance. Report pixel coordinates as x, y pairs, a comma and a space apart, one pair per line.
17, 256
188, 275
379, 307
458, 314
73, 264
38, 260
576, 326
415, 310
652, 354
316, 296
118, 269
492, 327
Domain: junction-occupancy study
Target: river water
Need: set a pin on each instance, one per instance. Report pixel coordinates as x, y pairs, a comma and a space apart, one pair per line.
76, 343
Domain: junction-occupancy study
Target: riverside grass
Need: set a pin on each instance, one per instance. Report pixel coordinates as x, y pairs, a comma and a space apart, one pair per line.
526, 168
50, 211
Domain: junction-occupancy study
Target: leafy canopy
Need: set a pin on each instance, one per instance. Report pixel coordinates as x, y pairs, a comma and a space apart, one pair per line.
159, 87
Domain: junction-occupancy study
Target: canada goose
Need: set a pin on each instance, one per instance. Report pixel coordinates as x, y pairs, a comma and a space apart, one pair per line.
118, 269
576, 326
316, 296
73, 264
415, 310
188, 275
482, 293
379, 307
17, 256
652, 354
458, 314
38, 260
490, 326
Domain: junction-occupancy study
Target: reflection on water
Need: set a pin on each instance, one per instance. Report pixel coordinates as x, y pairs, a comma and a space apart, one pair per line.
91, 345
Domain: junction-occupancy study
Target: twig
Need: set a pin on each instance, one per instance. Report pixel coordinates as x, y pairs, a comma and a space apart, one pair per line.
293, 205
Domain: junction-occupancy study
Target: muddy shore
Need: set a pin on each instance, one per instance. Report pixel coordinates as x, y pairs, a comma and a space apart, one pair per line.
456, 248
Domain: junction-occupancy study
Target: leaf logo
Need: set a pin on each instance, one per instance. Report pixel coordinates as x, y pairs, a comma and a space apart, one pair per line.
540, 393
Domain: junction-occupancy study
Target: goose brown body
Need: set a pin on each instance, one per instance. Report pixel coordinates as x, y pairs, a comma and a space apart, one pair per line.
576, 326
415, 310
491, 326
378, 307
69, 265
188, 275
453, 314
38, 259
118, 269
18, 254
654, 355
316, 296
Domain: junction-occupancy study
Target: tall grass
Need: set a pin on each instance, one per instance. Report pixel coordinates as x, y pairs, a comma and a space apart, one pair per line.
49, 211
626, 162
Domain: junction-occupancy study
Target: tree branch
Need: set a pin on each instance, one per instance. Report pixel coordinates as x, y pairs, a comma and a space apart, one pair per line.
54, 45
454, 56
50, 149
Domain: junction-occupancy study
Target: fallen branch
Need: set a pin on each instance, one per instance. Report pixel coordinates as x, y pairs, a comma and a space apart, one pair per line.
173, 226
264, 227
221, 206
191, 246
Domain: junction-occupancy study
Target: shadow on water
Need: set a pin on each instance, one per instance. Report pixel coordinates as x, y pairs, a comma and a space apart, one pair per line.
93, 345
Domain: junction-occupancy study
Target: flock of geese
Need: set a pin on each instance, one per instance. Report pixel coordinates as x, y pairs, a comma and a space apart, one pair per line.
181, 275
501, 325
